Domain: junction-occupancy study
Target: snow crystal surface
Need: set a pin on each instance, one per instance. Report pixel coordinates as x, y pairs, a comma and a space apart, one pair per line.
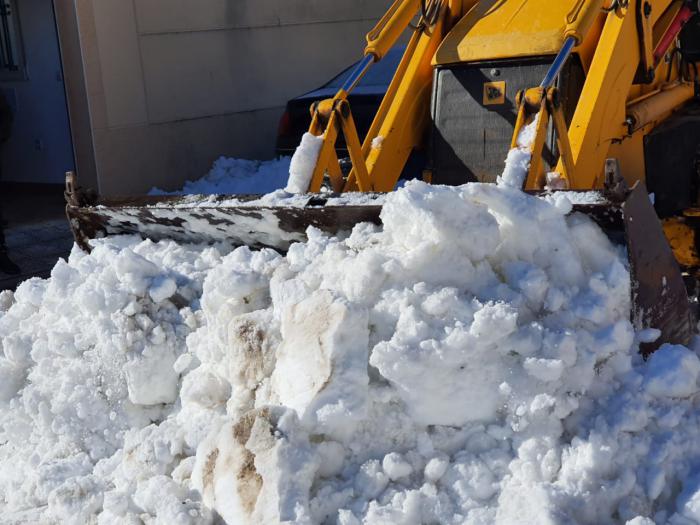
471, 361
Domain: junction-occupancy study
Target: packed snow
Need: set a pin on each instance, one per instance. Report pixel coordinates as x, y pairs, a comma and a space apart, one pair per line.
518, 160
303, 163
470, 361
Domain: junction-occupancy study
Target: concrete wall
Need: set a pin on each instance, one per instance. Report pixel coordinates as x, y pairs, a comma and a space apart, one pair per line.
39, 150
173, 84
76, 91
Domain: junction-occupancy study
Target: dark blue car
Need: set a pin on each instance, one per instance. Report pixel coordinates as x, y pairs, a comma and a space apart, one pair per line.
364, 101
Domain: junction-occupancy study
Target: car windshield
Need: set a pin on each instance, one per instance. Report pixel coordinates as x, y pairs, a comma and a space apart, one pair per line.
378, 75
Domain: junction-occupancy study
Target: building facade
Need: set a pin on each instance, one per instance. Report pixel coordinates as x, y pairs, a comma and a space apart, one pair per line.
156, 90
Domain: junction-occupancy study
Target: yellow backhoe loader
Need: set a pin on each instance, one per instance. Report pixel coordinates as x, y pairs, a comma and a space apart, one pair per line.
610, 88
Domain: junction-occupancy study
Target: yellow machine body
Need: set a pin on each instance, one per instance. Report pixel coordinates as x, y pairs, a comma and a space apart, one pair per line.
609, 45
493, 30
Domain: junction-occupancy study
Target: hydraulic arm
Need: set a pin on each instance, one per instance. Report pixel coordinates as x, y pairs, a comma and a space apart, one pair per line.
402, 119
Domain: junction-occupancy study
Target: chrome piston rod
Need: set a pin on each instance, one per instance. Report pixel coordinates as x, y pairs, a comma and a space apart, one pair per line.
358, 73
559, 62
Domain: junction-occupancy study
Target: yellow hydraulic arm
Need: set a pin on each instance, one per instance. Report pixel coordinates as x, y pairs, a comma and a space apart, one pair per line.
543, 102
608, 114
402, 119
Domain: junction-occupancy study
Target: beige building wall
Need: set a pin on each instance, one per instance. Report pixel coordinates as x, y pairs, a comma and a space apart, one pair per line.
173, 84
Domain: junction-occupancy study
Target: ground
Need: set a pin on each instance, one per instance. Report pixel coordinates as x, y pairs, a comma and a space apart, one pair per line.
37, 233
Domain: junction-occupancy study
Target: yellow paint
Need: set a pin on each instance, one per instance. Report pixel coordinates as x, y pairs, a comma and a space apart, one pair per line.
404, 115
389, 29
610, 47
581, 18
509, 28
599, 120
681, 237
647, 38
543, 104
659, 105
665, 20
630, 155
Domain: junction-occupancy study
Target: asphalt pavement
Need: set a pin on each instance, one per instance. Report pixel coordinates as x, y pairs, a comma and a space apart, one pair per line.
37, 231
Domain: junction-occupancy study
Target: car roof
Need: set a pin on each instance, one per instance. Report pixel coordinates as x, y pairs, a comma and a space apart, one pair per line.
375, 81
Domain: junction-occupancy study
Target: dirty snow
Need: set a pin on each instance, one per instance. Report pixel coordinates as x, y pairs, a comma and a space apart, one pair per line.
470, 362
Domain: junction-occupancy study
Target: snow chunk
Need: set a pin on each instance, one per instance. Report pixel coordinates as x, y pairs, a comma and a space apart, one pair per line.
321, 367
396, 467
303, 163
517, 165
436, 468
470, 361
162, 289
673, 372
259, 469
518, 159
237, 177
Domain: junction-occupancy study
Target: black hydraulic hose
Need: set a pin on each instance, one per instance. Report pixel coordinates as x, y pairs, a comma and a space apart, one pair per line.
615, 5
429, 14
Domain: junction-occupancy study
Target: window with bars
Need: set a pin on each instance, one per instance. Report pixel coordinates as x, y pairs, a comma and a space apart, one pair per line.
11, 48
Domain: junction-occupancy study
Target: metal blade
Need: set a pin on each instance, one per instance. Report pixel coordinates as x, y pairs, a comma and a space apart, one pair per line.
659, 294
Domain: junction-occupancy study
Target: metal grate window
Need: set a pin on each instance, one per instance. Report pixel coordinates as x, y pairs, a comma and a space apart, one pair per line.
11, 49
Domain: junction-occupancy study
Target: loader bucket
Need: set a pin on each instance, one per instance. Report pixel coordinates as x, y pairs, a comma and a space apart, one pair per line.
659, 295
209, 219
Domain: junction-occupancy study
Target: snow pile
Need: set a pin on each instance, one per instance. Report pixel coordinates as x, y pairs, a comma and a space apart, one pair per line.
230, 176
87, 383
470, 362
